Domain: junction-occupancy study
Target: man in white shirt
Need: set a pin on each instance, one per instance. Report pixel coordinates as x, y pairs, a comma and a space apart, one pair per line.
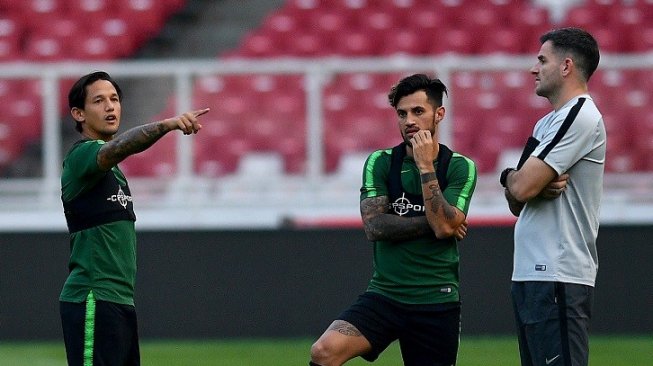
555, 190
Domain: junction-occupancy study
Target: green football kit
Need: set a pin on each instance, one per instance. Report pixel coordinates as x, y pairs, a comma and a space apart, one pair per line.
100, 217
423, 270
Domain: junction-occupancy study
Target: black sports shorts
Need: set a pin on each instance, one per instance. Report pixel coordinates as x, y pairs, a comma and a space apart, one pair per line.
553, 321
100, 333
428, 334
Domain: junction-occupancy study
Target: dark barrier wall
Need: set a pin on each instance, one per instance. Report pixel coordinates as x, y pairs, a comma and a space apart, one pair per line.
292, 283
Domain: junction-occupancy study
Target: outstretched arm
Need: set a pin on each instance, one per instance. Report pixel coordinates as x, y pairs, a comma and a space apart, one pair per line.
140, 138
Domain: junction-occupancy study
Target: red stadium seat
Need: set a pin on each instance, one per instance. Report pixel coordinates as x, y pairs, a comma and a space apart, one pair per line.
257, 45
96, 47
531, 22
327, 21
147, 15
36, 12
307, 44
481, 17
428, 20
157, 161
10, 26
501, 39
90, 9
11, 142
9, 49
585, 17
451, 40
403, 42
282, 24
356, 43
46, 48
378, 20
641, 39
60, 27
631, 16
24, 111
622, 151
303, 5
643, 142
218, 155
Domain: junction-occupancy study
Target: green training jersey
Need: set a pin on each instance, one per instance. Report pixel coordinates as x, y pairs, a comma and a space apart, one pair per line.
103, 257
424, 270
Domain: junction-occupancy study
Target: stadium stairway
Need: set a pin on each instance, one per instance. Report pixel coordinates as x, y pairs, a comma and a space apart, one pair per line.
200, 29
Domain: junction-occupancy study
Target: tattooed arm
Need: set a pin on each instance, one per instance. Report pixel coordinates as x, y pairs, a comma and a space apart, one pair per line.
445, 219
380, 225
142, 137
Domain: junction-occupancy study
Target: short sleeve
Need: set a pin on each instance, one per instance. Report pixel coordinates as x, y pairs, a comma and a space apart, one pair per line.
461, 182
375, 175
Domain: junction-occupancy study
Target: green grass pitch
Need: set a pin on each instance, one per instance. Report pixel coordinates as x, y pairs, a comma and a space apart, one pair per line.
474, 351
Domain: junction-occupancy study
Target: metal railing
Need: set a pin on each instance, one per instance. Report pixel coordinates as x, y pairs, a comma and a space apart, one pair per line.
34, 203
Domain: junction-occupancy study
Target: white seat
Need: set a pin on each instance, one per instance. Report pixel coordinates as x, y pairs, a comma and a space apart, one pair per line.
260, 165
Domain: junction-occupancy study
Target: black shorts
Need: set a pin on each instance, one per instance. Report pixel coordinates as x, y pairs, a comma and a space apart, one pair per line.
100, 333
427, 334
553, 322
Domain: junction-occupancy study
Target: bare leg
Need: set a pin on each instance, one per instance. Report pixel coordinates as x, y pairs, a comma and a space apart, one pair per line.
340, 343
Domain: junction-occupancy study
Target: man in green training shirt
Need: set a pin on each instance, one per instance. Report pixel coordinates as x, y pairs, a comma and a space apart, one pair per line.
97, 300
414, 203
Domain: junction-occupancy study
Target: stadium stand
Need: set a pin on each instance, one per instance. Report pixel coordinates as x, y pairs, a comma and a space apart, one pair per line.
47, 31
500, 104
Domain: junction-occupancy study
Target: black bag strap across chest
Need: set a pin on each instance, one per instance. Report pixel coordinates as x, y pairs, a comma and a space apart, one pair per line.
395, 188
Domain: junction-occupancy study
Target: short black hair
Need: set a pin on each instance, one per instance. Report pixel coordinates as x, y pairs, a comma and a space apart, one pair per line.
78, 92
580, 44
434, 89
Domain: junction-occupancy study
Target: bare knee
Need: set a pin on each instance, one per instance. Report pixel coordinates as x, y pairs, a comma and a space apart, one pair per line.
323, 353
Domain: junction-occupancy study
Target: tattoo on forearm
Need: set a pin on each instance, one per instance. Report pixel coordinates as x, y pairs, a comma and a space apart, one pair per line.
437, 201
345, 328
379, 225
132, 141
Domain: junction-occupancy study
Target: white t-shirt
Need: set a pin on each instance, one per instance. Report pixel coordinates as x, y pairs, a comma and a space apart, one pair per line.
555, 239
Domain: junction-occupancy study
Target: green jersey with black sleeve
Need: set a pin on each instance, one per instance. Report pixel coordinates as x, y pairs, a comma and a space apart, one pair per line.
423, 270
99, 213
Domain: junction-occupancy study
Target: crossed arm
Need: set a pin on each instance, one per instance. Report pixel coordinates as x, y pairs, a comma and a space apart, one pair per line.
140, 138
381, 225
535, 179
441, 218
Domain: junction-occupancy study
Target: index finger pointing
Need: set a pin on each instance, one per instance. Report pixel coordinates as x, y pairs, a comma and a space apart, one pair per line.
200, 112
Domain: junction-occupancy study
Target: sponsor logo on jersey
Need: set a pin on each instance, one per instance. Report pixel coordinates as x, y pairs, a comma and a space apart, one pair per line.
402, 206
120, 197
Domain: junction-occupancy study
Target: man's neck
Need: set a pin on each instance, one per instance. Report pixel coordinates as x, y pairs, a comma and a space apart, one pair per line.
566, 95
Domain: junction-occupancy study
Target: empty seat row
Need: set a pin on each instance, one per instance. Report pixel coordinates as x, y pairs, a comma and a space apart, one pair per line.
49, 30
490, 112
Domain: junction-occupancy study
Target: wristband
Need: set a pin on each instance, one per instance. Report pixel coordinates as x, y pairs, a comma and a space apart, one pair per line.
427, 177
504, 176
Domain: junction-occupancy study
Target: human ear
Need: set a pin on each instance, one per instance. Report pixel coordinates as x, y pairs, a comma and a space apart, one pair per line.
439, 113
78, 114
